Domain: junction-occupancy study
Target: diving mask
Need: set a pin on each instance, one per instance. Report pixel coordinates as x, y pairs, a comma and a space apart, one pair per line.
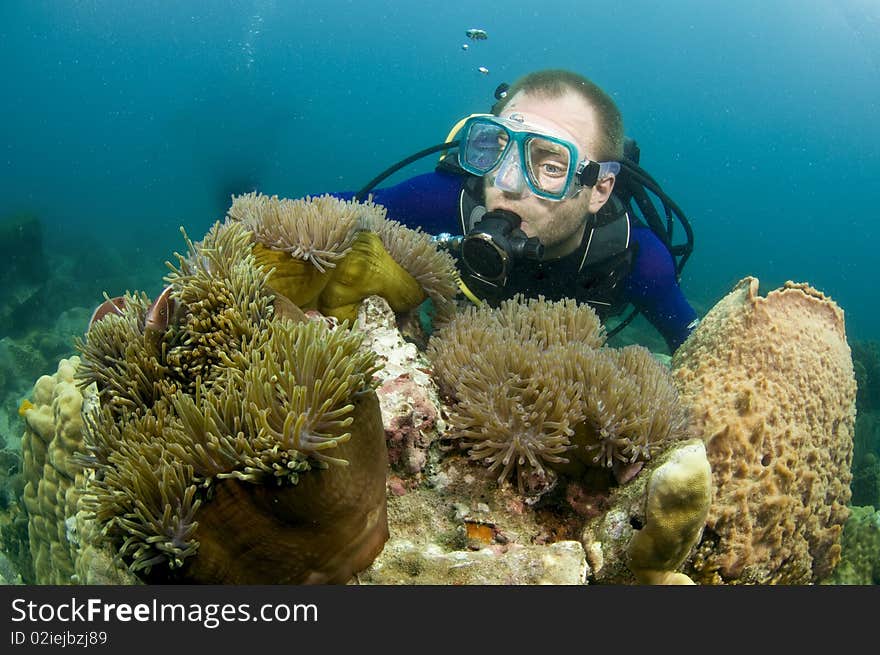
548, 164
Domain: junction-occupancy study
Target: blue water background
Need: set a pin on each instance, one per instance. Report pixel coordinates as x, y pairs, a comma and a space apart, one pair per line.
122, 121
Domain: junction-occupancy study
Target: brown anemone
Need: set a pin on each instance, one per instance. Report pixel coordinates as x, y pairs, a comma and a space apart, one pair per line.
245, 448
534, 393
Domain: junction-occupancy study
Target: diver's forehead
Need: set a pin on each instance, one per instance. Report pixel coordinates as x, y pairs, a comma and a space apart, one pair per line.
568, 115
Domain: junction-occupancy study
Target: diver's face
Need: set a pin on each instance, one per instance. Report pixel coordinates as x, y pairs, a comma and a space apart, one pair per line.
559, 224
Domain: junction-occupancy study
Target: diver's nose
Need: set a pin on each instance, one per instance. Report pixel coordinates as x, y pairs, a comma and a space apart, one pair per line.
509, 176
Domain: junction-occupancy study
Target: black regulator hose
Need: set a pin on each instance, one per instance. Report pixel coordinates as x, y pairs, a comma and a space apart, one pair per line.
360, 195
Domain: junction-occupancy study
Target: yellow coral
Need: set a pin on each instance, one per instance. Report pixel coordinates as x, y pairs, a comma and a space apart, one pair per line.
53, 433
678, 498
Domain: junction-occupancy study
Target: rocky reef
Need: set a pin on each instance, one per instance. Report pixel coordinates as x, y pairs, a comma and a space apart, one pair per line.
245, 428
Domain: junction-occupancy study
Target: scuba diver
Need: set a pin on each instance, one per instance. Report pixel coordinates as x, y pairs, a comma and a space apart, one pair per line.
544, 200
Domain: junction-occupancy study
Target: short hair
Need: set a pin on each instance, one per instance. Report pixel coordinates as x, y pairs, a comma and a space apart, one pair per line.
553, 83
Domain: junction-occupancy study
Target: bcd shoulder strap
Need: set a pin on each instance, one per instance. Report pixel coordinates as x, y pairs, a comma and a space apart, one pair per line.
608, 234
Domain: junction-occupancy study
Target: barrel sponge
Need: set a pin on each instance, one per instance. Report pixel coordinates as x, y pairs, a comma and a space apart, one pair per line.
53, 432
678, 497
771, 387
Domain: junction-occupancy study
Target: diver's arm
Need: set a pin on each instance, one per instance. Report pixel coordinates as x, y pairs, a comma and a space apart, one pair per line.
651, 286
428, 201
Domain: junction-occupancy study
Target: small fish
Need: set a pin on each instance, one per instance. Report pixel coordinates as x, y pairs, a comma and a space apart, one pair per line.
464, 46
483, 70
25, 406
476, 34
160, 313
109, 306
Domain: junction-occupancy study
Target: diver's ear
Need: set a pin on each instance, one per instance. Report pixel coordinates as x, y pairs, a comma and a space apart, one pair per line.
601, 192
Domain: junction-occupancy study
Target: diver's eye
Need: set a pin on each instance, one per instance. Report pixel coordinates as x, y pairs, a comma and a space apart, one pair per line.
553, 169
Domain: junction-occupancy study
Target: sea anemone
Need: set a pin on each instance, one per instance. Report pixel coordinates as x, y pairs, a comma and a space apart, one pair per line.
129, 376
514, 413
630, 405
232, 395
534, 392
224, 298
321, 253
319, 230
433, 269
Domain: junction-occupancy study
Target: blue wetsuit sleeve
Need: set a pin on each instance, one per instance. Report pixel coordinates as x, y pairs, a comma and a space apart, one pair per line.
429, 201
652, 287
